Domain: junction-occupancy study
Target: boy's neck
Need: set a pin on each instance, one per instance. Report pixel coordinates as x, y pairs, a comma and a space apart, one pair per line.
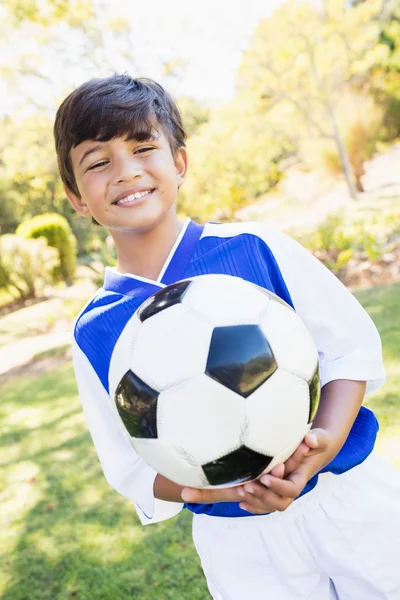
144, 254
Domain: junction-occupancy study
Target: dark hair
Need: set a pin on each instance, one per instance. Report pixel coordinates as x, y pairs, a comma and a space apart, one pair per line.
115, 106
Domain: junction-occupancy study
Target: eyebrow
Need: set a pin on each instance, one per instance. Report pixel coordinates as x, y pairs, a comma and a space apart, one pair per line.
90, 151
152, 138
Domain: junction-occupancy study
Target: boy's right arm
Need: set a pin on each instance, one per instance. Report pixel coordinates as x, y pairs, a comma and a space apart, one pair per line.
124, 470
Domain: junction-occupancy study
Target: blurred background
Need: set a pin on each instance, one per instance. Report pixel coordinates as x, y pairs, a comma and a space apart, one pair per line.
292, 110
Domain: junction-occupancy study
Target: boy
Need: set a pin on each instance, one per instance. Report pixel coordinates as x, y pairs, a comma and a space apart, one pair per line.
121, 154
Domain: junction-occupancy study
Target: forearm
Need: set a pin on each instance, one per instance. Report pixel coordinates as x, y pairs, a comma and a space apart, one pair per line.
339, 405
165, 489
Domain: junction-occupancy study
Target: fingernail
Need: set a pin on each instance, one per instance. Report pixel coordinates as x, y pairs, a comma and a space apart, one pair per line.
241, 493
249, 489
265, 480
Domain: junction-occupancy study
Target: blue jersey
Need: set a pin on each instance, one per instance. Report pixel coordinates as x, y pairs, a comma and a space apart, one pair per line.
347, 341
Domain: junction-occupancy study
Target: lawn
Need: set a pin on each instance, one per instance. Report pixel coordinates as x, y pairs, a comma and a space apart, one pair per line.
65, 534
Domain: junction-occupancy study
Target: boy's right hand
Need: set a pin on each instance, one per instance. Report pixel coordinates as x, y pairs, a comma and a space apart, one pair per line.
229, 494
234, 494
167, 490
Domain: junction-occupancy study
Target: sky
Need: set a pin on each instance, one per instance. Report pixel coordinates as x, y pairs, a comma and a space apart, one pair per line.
209, 36
207, 39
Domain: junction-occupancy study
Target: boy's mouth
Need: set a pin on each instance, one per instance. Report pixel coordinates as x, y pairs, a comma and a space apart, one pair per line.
132, 199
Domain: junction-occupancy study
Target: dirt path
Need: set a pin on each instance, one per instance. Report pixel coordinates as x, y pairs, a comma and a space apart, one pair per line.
38, 337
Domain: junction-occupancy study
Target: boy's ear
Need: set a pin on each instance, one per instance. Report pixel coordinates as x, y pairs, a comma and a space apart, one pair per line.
181, 165
77, 202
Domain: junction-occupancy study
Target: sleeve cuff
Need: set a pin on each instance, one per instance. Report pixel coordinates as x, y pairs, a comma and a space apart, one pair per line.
362, 370
152, 510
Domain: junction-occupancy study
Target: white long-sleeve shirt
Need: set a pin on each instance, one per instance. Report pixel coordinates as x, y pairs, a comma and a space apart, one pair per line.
348, 343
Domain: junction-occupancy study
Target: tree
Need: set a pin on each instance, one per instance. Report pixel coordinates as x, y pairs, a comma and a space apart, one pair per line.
194, 114
304, 57
383, 78
28, 163
233, 160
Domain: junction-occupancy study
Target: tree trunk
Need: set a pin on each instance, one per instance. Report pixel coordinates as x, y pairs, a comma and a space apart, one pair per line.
344, 157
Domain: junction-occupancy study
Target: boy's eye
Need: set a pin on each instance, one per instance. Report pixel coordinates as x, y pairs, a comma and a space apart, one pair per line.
144, 149
99, 164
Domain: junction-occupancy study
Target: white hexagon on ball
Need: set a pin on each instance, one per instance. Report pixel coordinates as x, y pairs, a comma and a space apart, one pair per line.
277, 414
226, 300
170, 461
171, 346
290, 341
201, 416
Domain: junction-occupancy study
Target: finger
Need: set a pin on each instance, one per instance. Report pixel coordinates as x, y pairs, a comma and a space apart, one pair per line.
278, 470
262, 498
296, 459
316, 439
300, 452
265, 501
287, 488
254, 487
209, 496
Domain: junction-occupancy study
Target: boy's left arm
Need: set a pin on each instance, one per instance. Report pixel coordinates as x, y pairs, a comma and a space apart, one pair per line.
350, 354
351, 366
340, 402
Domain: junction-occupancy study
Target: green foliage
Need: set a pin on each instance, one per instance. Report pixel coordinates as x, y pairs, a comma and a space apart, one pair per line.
28, 163
194, 115
360, 121
56, 230
336, 240
383, 78
8, 207
103, 255
332, 244
26, 265
301, 61
232, 162
48, 12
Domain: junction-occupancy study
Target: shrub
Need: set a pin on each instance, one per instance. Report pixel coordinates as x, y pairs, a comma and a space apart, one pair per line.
56, 230
26, 264
103, 255
335, 242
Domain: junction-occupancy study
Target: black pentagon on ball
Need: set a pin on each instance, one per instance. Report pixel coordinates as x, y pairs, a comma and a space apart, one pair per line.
240, 358
168, 296
315, 394
237, 467
136, 403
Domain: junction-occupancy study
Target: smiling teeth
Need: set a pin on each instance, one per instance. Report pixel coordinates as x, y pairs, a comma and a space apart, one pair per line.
134, 197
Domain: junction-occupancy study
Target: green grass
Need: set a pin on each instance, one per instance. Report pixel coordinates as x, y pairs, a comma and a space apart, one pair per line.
383, 304
66, 534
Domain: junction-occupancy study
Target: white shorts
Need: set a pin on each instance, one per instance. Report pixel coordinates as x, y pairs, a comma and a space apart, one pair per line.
339, 541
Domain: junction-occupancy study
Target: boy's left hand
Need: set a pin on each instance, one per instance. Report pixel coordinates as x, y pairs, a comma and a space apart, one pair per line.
272, 493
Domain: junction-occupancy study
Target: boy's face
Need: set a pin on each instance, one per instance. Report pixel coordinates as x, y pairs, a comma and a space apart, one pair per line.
127, 185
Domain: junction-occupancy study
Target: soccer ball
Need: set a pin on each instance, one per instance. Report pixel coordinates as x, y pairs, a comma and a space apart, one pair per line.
215, 380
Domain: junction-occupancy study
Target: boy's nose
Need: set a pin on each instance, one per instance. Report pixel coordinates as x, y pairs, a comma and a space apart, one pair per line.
127, 169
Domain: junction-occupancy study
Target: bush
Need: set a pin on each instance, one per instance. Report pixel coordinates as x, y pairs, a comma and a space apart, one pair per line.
335, 242
56, 230
103, 255
26, 265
